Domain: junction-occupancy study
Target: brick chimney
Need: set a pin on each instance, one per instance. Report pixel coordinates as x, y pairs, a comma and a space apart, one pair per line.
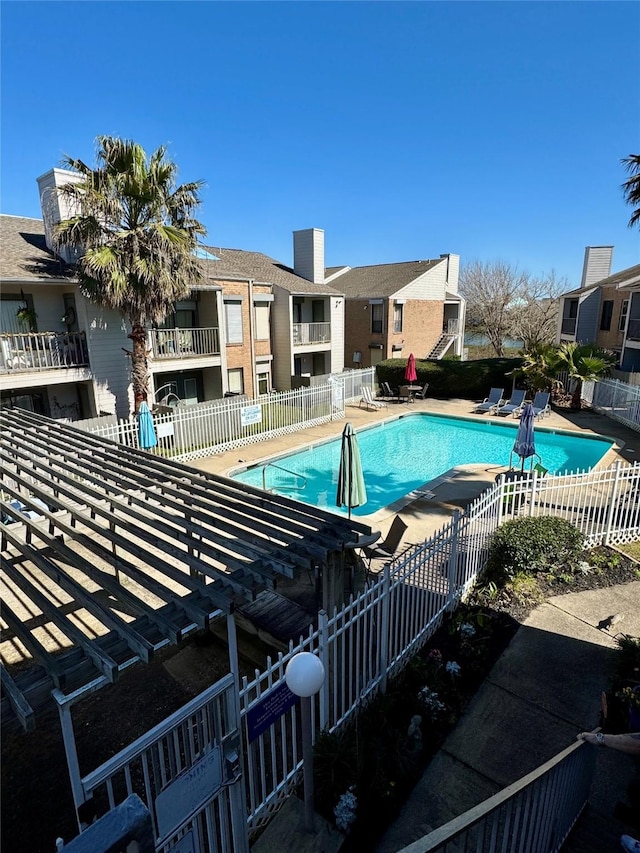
308, 254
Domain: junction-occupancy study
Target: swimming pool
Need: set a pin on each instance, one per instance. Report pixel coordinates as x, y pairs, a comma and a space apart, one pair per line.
403, 454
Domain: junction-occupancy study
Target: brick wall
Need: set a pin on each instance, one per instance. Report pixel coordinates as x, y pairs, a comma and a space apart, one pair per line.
422, 326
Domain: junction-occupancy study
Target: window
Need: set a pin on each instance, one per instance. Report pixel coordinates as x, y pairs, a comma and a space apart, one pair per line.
263, 383
624, 310
233, 319
607, 314
397, 317
235, 378
261, 313
376, 318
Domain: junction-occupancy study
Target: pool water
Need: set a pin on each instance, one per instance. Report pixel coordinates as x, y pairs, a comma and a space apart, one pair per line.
404, 454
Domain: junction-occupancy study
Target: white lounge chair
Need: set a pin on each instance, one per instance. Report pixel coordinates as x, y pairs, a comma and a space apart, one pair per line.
369, 399
491, 402
515, 404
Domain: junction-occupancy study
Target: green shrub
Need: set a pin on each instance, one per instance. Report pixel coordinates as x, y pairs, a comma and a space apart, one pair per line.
448, 379
533, 545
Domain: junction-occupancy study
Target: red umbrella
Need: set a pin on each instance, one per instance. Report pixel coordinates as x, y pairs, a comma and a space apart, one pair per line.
410, 370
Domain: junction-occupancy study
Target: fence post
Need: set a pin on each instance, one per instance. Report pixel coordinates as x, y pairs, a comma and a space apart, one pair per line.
453, 557
500, 500
612, 505
73, 765
385, 627
323, 654
534, 492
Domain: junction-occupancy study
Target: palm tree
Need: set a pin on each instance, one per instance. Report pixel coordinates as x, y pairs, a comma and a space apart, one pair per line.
584, 363
137, 234
539, 367
631, 186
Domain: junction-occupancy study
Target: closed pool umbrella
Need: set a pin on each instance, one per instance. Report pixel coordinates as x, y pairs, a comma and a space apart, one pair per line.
525, 445
146, 430
410, 370
351, 488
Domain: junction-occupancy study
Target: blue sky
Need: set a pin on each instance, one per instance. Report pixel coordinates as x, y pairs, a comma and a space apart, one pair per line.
404, 130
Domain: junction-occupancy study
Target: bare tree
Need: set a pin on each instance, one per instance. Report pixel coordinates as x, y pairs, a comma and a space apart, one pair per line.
534, 319
492, 289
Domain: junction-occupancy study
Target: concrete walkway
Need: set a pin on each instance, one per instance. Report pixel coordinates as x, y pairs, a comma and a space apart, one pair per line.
544, 689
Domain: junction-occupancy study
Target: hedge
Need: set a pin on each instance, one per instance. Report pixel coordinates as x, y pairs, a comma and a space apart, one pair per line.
470, 380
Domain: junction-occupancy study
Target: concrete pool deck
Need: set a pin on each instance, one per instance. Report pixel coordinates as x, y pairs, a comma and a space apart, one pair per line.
425, 515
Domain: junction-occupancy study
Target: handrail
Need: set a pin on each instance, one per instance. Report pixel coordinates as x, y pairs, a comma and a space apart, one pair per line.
548, 816
280, 468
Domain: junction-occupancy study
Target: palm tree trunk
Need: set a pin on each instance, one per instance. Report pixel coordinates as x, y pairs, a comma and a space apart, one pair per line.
139, 369
576, 397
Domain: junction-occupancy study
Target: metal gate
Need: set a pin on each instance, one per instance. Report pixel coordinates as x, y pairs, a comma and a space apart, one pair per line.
188, 772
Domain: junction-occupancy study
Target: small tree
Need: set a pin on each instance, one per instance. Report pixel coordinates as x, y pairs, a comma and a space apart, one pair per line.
631, 186
584, 363
138, 236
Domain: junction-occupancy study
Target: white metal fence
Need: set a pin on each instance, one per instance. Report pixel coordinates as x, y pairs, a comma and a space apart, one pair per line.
617, 400
189, 432
379, 631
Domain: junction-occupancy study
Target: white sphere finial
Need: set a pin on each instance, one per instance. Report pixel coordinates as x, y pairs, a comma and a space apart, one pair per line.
304, 674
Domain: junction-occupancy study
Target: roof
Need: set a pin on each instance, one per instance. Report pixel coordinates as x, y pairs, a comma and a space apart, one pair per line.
616, 280
237, 263
24, 253
112, 553
383, 279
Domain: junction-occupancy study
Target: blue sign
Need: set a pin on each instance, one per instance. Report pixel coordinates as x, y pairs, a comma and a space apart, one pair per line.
268, 709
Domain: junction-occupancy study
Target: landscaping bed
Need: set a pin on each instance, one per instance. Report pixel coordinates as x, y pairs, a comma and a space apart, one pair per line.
365, 773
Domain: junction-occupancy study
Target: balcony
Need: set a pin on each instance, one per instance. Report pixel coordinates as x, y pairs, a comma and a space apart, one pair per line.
305, 334
633, 329
183, 343
28, 351
569, 325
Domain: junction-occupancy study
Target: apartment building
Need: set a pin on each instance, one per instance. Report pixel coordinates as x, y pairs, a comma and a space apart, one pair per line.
395, 309
251, 324
600, 310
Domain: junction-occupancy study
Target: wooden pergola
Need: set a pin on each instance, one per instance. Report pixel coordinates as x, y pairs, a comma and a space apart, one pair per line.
110, 553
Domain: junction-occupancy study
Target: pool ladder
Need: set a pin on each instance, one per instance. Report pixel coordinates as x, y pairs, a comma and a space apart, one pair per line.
287, 471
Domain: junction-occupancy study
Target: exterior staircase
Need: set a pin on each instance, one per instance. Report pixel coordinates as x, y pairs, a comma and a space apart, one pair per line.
441, 346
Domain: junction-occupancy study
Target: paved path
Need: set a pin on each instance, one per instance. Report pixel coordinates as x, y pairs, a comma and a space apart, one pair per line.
543, 690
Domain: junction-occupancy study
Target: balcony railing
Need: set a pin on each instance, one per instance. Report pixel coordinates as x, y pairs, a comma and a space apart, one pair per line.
28, 351
569, 325
184, 343
311, 333
633, 330
452, 327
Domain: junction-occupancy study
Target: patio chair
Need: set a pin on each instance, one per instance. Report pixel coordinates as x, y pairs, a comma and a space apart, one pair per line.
386, 392
388, 547
541, 405
491, 402
515, 404
368, 398
404, 394
421, 395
